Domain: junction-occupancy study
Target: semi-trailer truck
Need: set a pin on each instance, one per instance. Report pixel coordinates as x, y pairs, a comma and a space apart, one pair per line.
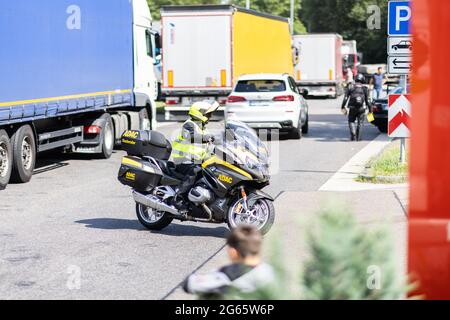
206, 48
74, 76
350, 57
319, 70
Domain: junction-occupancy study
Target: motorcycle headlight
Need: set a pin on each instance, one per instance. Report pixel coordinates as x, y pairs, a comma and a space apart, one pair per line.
252, 164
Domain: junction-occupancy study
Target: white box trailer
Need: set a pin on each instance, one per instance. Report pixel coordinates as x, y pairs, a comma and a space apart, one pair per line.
319, 69
206, 48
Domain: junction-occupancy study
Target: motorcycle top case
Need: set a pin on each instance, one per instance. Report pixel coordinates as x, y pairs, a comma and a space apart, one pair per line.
146, 143
139, 174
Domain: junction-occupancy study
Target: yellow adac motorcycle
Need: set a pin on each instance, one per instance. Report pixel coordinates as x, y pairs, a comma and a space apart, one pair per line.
227, 189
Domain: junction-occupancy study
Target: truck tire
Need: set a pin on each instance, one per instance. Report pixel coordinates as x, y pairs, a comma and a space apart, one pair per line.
24, 154
5, 159
108, 137
159, 97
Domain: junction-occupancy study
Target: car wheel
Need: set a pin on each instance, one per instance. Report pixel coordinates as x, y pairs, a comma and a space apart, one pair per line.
383, 127
296, 133
305, 128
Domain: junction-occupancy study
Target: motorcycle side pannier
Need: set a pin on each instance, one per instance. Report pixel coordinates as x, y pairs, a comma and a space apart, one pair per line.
146, 143
139, 174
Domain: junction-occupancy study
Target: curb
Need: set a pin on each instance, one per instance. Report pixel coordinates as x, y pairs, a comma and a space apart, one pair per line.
367, 178
344, 179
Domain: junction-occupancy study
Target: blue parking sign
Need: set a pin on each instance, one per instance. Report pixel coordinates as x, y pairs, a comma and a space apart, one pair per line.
399, 18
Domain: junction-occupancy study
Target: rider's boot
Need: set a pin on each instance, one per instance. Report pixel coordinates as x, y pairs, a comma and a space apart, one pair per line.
353, 131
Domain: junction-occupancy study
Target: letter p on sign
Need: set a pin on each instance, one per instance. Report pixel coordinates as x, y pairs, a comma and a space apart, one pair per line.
399, 18
403, 14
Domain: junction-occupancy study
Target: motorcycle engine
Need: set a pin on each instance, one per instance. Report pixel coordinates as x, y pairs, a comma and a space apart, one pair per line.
200, 195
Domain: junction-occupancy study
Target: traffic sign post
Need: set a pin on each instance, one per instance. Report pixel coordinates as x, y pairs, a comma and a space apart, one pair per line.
399, 62
403, 140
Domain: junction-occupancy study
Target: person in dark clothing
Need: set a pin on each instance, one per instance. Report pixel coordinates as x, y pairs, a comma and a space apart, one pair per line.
357, 98
246, 273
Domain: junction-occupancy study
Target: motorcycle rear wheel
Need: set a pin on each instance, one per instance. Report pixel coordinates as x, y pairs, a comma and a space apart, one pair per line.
261, 215
151, 219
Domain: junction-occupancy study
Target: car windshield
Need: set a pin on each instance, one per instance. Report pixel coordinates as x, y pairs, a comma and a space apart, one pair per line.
396, 90
260, 86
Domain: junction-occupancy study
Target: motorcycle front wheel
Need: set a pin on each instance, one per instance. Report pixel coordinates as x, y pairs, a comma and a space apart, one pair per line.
152, 219
261, 215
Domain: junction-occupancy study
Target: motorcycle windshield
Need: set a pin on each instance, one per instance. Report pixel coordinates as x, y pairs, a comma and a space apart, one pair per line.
240, 134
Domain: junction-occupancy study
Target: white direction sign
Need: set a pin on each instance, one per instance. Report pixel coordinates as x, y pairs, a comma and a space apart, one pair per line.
400, 46
399, 65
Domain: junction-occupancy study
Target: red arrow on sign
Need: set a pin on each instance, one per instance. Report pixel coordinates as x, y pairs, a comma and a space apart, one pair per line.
397, 120
399, 116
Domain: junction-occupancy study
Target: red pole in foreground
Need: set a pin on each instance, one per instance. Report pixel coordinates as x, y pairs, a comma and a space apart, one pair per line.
429, 213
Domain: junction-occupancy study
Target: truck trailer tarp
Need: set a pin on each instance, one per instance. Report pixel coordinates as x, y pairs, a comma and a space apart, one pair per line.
59, 58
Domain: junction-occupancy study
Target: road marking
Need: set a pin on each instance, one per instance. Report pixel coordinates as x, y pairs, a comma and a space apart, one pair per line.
344, 179
177, 291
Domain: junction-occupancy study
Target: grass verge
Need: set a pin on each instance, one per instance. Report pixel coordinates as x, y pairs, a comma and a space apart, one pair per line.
386, 167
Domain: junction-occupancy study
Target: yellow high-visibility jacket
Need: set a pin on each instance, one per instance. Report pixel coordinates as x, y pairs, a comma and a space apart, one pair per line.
190, 146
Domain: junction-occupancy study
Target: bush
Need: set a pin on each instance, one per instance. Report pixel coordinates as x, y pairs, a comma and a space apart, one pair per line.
346, 262
349, 262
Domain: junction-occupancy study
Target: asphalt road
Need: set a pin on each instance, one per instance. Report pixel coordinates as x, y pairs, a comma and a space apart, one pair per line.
72, 232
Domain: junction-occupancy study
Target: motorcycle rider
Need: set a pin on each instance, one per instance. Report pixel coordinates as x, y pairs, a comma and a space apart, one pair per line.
190, 148
357, 97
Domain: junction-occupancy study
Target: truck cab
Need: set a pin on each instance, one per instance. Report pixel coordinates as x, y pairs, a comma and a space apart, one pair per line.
145, 51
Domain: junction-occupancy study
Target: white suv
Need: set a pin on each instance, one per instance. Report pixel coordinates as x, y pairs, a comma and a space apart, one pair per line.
269, 101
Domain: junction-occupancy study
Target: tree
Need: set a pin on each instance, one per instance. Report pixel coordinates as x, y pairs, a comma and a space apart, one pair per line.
350, 19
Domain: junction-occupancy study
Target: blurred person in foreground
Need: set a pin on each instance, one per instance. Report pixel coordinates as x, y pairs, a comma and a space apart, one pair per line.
246, 274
